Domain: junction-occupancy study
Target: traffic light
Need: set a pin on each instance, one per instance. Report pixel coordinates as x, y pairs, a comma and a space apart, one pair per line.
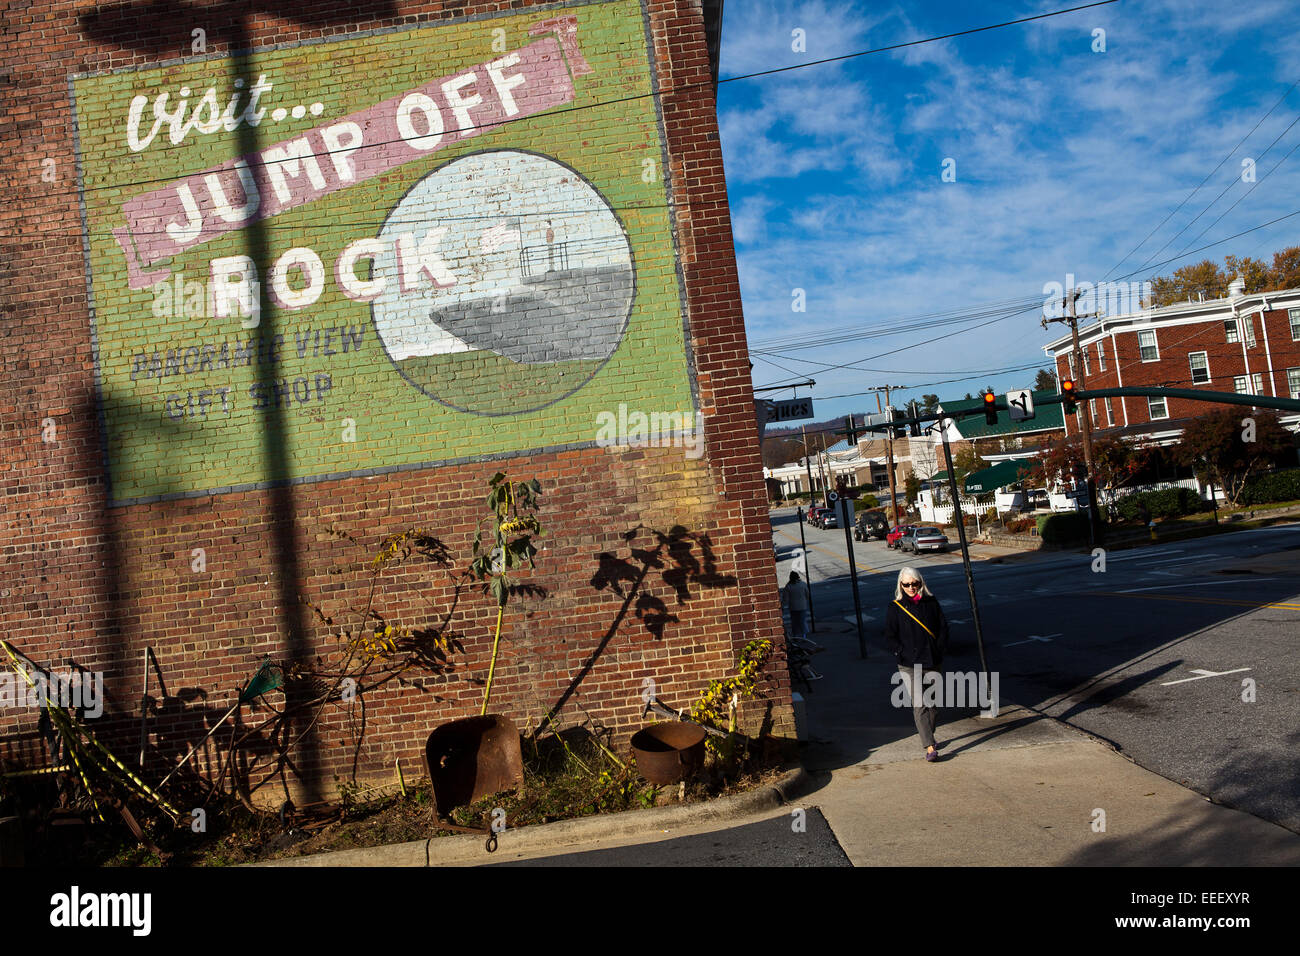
990, 408
1067, 395
914, 410
850, 430
896, 415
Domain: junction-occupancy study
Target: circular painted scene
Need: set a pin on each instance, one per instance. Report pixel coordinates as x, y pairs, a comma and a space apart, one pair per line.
508, 283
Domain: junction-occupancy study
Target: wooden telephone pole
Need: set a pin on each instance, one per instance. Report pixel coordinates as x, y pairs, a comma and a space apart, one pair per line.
1085, 415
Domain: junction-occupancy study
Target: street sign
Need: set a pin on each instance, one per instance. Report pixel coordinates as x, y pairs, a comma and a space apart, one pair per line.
1021, 405
844, 512
790, 409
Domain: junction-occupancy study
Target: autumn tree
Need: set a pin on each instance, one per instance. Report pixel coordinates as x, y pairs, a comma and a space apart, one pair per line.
1207, 278
1285, 273
1227, 446
1115, 463
1256, 273
1202, 278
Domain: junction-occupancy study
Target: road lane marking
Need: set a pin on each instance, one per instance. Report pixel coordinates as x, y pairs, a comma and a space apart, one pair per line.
834, 554
1034, 637
1202, 674
1190, 584
1183, 598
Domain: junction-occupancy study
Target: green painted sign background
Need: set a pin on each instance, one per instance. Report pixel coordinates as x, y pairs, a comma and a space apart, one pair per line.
181, 385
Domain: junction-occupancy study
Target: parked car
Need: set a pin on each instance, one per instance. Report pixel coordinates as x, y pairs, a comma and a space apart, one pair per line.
871, 524
828, 519
811, 514
897, 532
923, 538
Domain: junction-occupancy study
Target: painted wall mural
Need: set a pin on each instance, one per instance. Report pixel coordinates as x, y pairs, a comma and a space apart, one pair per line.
449, 241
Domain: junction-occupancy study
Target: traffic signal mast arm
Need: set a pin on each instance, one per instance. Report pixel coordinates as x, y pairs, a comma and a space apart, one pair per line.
1195, 394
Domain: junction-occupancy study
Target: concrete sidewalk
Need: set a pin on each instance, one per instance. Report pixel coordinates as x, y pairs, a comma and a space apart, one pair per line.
1018, 789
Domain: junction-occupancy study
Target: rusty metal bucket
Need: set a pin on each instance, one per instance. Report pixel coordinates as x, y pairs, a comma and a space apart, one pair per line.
668, 752
471, 758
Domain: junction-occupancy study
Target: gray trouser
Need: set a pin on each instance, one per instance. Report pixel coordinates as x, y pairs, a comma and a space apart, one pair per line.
922, 714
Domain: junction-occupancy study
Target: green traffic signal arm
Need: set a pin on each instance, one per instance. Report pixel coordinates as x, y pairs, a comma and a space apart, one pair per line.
1196, 394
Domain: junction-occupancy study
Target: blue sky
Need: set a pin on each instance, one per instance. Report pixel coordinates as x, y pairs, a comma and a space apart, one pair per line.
1065, 159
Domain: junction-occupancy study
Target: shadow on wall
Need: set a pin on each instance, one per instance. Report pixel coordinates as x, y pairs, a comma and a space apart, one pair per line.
163, 28
672, 558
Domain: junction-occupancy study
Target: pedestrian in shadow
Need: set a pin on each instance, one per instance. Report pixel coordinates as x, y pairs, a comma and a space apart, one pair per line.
795, 597
917, 632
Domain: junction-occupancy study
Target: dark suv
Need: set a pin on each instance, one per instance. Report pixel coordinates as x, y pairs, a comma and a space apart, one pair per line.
870, 524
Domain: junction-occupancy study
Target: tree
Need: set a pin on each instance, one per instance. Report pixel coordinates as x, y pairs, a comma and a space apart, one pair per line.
967, 462
1285, 273
1226, 446
1046, 381
1256, 272
1115, 463
929, 404
912, 488
1188, 282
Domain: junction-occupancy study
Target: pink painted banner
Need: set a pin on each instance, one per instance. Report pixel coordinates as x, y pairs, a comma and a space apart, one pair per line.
343, 152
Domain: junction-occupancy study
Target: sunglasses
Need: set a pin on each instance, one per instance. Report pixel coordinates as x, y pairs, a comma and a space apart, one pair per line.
911, 584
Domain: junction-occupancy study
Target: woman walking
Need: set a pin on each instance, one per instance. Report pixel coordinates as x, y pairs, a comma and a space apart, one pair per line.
917, 632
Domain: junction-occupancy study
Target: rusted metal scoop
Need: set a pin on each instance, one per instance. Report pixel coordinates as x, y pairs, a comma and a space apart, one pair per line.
471, 758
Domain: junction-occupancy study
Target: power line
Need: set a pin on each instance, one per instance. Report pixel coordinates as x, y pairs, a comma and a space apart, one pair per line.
1189, 196
1213, 201
1248, 191
653, 94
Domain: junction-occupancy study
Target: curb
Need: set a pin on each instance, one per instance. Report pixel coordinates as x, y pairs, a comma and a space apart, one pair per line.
466, 849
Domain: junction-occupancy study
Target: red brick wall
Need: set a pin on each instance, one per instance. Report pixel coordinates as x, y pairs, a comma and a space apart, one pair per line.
93, 585
1173, 369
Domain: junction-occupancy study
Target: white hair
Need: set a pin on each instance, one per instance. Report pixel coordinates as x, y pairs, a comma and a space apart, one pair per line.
909, 574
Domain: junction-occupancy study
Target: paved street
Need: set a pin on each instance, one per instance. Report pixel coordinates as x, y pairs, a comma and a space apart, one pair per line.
1153, 654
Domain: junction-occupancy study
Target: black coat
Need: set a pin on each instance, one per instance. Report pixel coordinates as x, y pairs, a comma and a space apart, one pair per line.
909, 641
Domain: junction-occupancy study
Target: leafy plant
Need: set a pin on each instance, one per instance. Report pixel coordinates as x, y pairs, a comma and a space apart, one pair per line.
714, 706
508, 547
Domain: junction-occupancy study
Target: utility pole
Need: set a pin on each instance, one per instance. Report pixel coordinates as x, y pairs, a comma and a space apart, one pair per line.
965, 547
807, 464
889, 447
1085, 414
822, 465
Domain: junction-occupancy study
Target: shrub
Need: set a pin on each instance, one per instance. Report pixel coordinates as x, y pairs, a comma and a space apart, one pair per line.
1063, 529
1021, 525
1163, 503
868, 502
1276, 486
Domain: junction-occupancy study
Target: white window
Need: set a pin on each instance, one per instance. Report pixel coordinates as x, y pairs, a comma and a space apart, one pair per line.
1070, 359
1147, 346
1110, 411
1295, 324
1253, 386
1293, 381
1156, 407
1230, 331
1249, 322
1200, 367
1101, 356
1086, 371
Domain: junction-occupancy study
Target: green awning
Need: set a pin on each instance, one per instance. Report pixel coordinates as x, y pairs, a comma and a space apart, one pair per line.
998, 476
